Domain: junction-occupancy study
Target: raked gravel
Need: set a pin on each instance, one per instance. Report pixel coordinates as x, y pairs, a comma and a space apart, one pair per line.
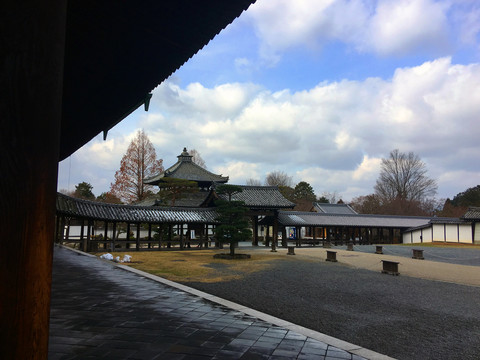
399, 316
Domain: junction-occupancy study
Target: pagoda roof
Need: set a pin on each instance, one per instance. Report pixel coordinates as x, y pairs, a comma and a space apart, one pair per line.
186, 169
261, 197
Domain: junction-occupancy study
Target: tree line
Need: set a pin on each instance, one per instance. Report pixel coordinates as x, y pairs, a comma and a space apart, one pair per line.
403, 186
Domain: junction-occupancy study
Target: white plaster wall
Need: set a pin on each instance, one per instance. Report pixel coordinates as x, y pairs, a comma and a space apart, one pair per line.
414, 236
465, 232
438, 233
452, 232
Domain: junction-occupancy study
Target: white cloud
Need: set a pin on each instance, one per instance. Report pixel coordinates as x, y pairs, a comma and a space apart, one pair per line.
385, 27
332, 136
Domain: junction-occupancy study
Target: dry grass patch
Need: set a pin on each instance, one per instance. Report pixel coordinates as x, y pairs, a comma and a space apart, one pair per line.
196, 265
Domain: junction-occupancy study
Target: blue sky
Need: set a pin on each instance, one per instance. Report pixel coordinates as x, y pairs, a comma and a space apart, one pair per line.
321, 90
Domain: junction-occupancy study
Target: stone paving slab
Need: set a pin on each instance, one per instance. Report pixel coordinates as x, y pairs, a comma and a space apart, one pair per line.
101, 311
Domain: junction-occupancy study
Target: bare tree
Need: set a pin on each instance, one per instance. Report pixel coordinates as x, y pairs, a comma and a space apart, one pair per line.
253, 182
278, 178
404, 176
331, 197
197, 159
139, 162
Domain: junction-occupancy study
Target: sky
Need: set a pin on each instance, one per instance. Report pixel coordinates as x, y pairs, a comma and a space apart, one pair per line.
321, 90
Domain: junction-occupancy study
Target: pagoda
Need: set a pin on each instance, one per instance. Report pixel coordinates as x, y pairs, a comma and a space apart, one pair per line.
186, 169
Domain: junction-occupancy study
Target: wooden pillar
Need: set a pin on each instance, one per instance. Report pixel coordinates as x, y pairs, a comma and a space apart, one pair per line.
284, 237
169, 240
67, 233
181, 236
314, 230
275, 232
137, 238
31, 62
127, 244
82, 224
114, 236
255, 230
30, 102
267, 236
299, 235
149, 235
86, 242
105, 236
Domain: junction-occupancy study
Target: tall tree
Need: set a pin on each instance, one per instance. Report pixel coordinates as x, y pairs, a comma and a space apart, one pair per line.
108, 197
368, 204
232, 216
84, 191
253, 182
287, 192
278, 178
469, 197
404, 176
330, 197
139, 162
304, 191
197, 159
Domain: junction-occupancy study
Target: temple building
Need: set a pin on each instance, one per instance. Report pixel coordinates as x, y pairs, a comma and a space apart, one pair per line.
191, 219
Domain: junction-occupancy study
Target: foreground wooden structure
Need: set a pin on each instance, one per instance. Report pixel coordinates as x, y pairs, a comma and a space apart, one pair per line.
60, 88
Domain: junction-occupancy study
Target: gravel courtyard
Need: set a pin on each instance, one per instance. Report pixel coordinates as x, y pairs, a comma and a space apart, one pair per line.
400, 316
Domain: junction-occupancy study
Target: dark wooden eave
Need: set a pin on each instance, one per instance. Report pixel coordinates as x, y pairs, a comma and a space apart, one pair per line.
117, 52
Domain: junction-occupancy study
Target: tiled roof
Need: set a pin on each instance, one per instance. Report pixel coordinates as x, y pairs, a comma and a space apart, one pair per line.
191, 200
112, 212
262, 197
294, 218
473, 213
186, 169
326, 208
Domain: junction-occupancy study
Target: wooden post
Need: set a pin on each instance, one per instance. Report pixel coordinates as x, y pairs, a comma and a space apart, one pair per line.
114, 230
284, 237
127, 244
149, 235
255, 230
86, 242
275, 232
82, 231
31, 62
181, 236
137, 238
299, 236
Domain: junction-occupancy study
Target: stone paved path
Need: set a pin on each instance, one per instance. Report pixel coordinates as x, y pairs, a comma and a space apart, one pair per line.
100, 311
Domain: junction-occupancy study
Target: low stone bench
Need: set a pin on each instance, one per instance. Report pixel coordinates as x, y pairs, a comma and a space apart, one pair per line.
390, 267
417, 254
331, 256
291, 250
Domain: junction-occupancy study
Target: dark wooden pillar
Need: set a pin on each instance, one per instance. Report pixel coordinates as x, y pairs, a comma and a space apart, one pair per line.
31, 62
82, 231
275, 232
137, 238
86, 241
114, 236
181, 236
127, 244
149, 235
267, 236
255, 230
105, 236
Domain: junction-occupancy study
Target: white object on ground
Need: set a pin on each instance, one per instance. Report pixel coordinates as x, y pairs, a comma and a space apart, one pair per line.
127, 258
106, 256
